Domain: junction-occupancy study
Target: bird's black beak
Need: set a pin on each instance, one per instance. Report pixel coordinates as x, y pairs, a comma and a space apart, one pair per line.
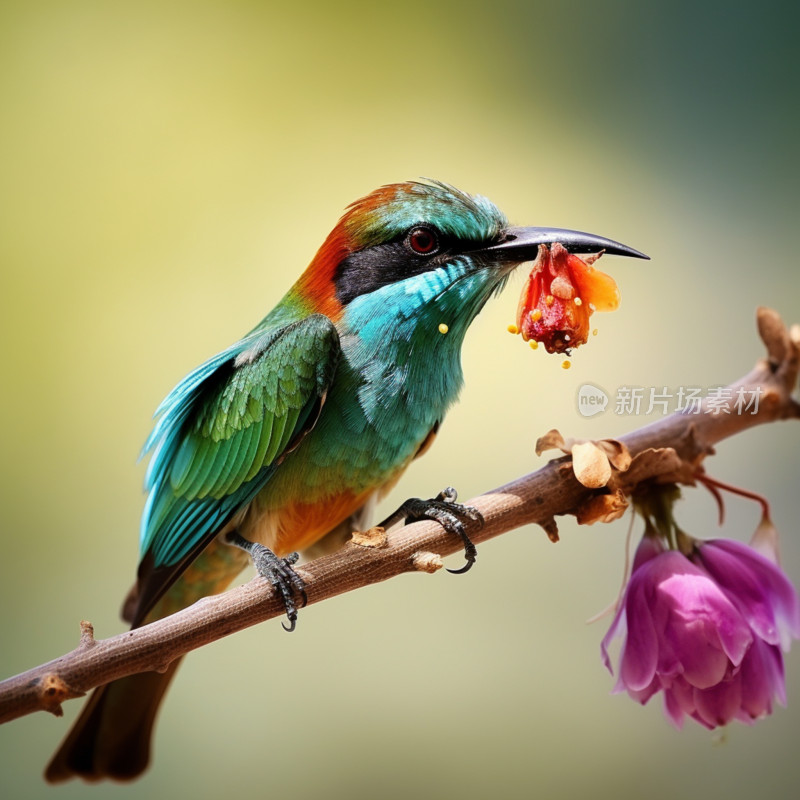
522, 244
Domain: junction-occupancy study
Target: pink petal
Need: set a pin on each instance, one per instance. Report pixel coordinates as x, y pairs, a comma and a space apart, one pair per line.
764, 677
673, 710
678, 701
759, 681
719, 704
648, 549
703, 662
640, 650
773, 665
697, 718
704, 628
643, 695
765, 540
760, 589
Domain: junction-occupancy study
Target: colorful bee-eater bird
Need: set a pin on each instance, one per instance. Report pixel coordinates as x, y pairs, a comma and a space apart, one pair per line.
290, 435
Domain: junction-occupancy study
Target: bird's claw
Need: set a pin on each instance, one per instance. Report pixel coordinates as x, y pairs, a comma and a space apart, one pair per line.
279, 572
448, 513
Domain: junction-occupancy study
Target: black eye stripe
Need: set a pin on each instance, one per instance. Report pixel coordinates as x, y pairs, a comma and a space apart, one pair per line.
370, 269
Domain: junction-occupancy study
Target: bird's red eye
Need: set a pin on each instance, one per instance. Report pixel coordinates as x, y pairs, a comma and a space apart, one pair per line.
422, 241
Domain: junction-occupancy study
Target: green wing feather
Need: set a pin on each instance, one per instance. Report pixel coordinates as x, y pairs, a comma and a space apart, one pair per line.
243, 417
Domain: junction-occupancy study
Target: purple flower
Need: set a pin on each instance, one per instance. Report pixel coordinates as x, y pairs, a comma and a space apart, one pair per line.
707, 630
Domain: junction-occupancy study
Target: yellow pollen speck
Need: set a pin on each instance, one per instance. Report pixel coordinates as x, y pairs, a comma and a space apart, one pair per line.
536, 314
512, 328
443, 328
549, 299
534, 345
566, 364
594, 332
578, 301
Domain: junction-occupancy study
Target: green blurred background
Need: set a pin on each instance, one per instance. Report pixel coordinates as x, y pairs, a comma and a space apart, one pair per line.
167, 171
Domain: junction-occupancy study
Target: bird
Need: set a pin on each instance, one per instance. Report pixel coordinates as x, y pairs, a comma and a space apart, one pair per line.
285, 440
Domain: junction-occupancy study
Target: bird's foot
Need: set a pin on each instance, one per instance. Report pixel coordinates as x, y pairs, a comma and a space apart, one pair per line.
448, 513
278, 571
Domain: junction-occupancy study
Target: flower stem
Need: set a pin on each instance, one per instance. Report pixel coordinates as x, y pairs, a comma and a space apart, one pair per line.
713, 485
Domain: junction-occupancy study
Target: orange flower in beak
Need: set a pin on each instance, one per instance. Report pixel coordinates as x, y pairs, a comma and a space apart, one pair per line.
561, 293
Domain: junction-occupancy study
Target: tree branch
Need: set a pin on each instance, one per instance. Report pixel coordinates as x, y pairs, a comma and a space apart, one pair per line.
671, 449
